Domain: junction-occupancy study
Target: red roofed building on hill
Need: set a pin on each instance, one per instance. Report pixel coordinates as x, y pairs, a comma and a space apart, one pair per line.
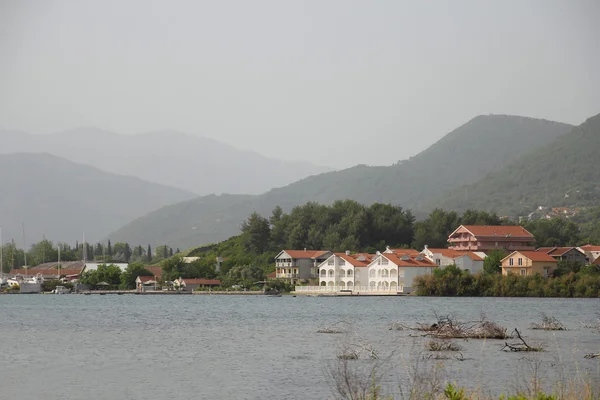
565, 253
485, 238
295, 265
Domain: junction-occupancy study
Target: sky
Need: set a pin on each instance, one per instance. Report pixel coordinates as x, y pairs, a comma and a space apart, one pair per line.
332, 82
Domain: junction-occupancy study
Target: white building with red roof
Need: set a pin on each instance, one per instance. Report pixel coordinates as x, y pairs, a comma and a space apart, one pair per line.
296, 265
466, 260
395, 272
344, 271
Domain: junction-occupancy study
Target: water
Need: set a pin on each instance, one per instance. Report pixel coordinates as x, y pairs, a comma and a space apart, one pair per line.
257, 347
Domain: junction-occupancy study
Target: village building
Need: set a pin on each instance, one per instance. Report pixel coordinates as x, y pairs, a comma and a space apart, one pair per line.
484, 238
68, 271
296, 265
465, 260
527, 263
565, 253
344, 271
591, 252
191, 284
396, 271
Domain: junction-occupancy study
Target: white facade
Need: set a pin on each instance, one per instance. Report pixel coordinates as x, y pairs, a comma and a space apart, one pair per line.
344, 274
467, 263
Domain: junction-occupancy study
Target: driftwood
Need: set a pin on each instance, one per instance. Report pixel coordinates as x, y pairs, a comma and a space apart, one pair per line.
592, 355
549, 323
522, 346
337, 327
351, 348
442, 345
447, 327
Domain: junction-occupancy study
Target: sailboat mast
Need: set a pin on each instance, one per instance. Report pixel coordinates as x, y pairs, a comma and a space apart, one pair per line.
24, 248
58, 260
1, 253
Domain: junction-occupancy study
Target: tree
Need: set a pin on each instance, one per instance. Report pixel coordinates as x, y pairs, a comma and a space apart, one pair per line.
173, 268
149, 254
165, 252
170, 252
130, 274
109, 249
127, 252
255, 233
245, 275
493, 262
41, 252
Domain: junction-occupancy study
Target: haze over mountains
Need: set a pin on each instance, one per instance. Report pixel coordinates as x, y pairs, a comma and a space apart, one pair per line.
563, 172
61, 199
196, 164
482, 145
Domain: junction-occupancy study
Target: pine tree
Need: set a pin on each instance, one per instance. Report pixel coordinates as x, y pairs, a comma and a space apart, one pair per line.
165, 251
109, 249
149, 254
127, 252
170, 252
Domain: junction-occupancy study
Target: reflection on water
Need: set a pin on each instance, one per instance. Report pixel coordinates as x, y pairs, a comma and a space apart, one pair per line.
257, 347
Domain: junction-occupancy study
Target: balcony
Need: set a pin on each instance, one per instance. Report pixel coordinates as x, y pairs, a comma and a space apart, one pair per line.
287, 276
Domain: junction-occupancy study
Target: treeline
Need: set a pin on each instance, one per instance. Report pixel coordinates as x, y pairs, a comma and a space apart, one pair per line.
452, 281
46, 251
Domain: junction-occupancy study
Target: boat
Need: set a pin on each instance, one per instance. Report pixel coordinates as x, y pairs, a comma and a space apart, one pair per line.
274, 295
62, 290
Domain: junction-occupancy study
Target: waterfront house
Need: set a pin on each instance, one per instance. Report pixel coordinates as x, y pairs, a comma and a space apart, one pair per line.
143, 283
191, 284
396, 271
295, 265
565, 253
69, 270
484, 238
591, 252
465, 260
529, 263
344, 270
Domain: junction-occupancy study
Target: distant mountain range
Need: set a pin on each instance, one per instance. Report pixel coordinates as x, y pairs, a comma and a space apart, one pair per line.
196, 164
465, 155
62, 199
560, 173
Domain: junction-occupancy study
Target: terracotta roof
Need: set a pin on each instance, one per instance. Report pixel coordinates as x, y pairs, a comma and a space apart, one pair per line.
352, 260
305, 254
446, 252
499, 230
155, 270
403, 251
556, 251
532, 255
411, 262
195, 281
596, 261
146, 279
469, 254
272, 275
589, 247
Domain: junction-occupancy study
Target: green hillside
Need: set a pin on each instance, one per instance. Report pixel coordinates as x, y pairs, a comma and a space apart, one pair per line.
563, 172
482, 145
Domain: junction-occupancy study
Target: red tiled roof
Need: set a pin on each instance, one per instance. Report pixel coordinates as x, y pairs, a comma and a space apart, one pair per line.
532, 255
589, 247
446, 252
154, 270
411, 262
352, 260
469, 254
556, 251
404, 251
305, 254
146, 279
272, 275
53, 265
499, 230
195, 281
596, 261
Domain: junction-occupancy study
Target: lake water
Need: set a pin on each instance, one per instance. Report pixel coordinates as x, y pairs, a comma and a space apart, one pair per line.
258, 347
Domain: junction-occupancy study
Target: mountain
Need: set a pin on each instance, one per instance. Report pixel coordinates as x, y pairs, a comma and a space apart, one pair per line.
62, 199
196, 164
484, 144
561, 173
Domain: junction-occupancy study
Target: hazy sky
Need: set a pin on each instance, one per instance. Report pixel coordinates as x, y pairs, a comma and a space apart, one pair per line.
334, 82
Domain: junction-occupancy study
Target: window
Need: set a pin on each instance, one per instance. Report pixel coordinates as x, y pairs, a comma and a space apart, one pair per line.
520, 261
385, 261
350, 272
511, 262
546, 272
330, 261
437, 261
523, 272
401, 273
496, 244
372, 273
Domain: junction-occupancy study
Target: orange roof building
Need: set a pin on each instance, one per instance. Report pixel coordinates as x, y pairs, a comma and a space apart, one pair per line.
486, 237
529, 263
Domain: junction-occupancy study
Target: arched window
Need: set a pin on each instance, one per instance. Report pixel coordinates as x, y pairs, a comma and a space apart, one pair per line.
393, 273
342, 273
350, 273
372, 273
323, 273
331, 273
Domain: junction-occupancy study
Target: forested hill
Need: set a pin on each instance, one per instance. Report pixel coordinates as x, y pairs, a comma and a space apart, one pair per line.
563, 172
484, 144
60, 199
